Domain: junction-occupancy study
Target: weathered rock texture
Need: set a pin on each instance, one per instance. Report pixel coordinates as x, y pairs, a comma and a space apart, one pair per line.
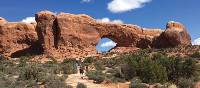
45, 29
174, 35
17, 39
69, 35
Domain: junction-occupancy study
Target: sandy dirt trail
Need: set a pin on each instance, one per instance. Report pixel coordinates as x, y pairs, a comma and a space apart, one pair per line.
74, 79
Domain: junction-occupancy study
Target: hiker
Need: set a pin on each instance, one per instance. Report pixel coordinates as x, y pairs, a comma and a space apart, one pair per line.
86, 68
81, 70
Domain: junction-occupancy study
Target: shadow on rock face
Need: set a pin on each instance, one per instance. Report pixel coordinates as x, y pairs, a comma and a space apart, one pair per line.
34, 49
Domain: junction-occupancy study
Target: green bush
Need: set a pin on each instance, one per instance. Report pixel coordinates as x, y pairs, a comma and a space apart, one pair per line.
32, 72
81, 85
130, 66
6, 66
114, 75
148, 70
185, 83
97, 76
54, 81
99, 65
69, 66
112, 62
89, 60
178, 67
151, 71
137, 83
195, 55
23, 61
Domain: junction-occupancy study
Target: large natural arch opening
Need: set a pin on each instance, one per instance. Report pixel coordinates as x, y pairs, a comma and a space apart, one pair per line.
105, 45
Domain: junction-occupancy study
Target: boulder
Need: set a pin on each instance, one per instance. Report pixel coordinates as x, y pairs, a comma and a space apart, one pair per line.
174, 35
177, 34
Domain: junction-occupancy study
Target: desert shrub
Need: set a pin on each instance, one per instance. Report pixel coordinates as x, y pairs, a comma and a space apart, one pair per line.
68, 69
151, 71
89, 60
9, 82
99, 65
8, 67
144, 52
130, 66
185, 83
23, 61
54, 81
137, 83
195, 55
32, 72
69, 60
95, 75
112, 62
81, 85
197, 75
177, 67
69, 66
52, 67
189, 68
114, 75
144, 67
5, 65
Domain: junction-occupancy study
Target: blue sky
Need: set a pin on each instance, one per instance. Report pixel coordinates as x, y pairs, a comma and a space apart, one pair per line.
145, 13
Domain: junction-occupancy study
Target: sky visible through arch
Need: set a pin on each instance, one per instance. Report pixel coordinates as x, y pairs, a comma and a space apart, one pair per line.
145, 13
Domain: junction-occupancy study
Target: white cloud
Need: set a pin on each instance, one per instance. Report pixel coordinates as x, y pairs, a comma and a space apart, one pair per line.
29, 20
86, 0
108, 44
196, 42
107, 20
118, 6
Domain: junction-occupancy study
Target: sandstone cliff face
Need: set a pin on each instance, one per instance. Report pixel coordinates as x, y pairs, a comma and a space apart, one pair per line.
45, 29
66, 35
174, 35
16, 38
69, 36
75, 35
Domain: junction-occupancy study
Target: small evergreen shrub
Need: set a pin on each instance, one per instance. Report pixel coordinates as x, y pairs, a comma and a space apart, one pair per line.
69, 66
137, 83
81, 85
185, 83
99, 65
32, 72
97, 76
89, 60
195, 55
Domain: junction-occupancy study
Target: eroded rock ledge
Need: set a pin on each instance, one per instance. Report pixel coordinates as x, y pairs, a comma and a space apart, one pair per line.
69, 35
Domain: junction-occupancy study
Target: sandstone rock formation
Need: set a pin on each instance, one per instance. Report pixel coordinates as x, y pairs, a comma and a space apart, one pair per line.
45, 29
174, 35
16, 38
2, 20
68, 35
